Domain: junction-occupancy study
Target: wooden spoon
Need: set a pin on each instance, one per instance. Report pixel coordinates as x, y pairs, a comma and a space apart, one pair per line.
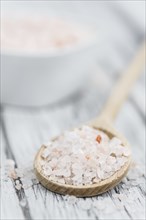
103, 122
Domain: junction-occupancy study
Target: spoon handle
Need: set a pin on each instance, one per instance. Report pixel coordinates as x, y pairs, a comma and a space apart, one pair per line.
123, 86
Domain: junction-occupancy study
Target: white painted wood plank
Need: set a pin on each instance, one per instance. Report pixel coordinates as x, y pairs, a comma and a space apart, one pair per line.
10, 207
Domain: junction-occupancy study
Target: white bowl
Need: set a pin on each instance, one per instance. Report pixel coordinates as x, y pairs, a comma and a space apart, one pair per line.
35, 79
41, 79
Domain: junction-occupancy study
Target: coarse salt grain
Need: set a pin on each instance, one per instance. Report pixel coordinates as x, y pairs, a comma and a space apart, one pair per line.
46, 153
12, 174
83, 156
18, 185
98, 139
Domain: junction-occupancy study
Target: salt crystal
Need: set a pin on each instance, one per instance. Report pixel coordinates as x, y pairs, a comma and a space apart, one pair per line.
96, 180
100, 174
102, 159
53, 163
108, 168
42, 162
126, 151
18, 185
115, 142
45, 153
17, 182
48, 144
47, 170
61, 180
111, 160
62, 172
121, 161
68, 180
12, 174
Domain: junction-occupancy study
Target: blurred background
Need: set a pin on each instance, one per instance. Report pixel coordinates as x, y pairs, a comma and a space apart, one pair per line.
50, 49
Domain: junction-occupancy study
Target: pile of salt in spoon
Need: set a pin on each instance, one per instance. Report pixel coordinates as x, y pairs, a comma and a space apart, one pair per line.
83, 156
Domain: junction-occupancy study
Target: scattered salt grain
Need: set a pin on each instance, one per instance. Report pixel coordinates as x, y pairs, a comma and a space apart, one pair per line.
18, 185
83, 156
22, 177
12, 174
10, 169
17, 182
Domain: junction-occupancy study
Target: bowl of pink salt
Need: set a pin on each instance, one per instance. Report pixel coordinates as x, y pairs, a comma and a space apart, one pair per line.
44, 59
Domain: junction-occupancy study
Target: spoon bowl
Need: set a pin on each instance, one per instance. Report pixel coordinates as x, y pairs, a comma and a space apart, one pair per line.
90, 189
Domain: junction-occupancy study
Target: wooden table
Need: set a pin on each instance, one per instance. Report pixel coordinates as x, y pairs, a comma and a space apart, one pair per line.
23, 130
